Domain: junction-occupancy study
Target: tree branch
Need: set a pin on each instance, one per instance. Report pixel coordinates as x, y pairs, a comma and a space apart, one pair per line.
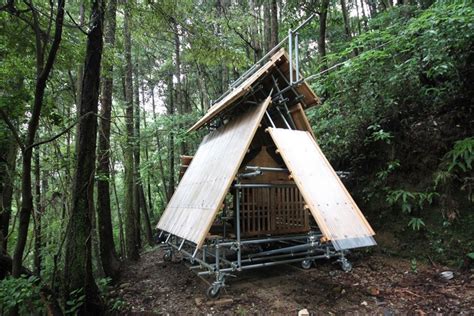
12, 129
60, 134
76, 24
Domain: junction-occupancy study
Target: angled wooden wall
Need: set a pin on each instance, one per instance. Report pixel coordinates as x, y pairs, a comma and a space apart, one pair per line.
336, 213
202, 190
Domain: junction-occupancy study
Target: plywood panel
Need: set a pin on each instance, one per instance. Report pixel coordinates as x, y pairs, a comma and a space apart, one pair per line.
334, 210
201, 191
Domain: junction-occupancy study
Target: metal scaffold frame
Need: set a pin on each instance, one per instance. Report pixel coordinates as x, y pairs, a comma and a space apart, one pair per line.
221, 256
232, 250
292, 39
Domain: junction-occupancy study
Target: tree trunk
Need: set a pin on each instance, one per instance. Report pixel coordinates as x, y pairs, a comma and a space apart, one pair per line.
364, 15
179, 100
267, 25
136, 153
345, 17
372, 4
26, 190
139, 181
37, 216
359, 26
78, 260
147, 157
108, 255
322, 32
7, 170
255, 40
158, 145
132, 243
274, 22
146, 218
170, 108
80, 68
204, 96
119, 216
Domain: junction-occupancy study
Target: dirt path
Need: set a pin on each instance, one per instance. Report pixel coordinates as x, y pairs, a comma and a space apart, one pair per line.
377, 284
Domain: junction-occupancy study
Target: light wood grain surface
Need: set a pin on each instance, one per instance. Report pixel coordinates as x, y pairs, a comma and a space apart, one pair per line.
278, 60
336, 213
201, 191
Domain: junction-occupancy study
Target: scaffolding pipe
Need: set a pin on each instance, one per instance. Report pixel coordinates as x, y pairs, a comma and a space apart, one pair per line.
291, 249
237, 215
250, 174
296, 58
290, 49
266, 169
266, 240
263, 185
270, 119
257, 65
266, 264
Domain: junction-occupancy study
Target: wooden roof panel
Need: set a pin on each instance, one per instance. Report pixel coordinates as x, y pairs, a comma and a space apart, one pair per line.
202, 190
336, 213
280, 60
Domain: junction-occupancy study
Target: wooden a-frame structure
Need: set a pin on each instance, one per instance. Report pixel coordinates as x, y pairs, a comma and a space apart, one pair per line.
262, 143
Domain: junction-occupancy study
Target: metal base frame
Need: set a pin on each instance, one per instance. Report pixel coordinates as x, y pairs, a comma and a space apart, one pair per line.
221, 257
225, 254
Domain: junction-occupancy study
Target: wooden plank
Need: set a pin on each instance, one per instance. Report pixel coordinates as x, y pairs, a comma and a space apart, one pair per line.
238, 92
280, 60
310, 98
202, 190
300, 119
334, 210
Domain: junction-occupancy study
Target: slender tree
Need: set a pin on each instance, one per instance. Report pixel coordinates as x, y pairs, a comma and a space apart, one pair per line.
136, 154
78, 275
323, 15
9, 150
43, 69
171, 158
140, 203
345, 17
267, 25
274, 24
108, 255
131, 227
37, 215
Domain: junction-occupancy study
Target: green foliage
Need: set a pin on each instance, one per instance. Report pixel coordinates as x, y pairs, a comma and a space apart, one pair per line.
22, 292
411, 202
416, 223
75, 301
378, 134
403, 197
457, 166
391, 167
461, 156
115, 304
414, 265
410, 59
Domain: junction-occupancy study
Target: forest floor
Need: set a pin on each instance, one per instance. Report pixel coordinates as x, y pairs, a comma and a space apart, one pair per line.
378, 284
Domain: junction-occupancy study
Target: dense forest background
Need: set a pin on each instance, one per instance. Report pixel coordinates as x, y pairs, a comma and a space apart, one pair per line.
96, 97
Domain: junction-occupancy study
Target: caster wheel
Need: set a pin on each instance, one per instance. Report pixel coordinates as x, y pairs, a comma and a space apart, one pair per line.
306, 264
167, 257
213, 292
346, 266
